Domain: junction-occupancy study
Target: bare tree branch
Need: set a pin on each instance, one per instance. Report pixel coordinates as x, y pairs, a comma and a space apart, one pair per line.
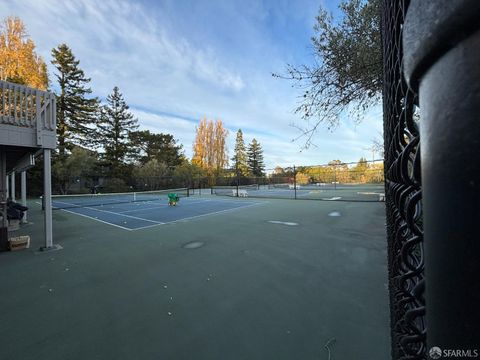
346, 71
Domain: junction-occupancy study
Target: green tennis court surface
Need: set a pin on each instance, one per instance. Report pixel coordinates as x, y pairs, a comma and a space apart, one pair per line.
275, 280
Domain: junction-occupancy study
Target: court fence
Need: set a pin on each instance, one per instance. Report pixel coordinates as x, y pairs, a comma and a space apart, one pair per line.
357, 181
403, 194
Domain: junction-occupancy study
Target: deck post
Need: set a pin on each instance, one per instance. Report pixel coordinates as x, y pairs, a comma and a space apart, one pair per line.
12, 186
3, 201
47, 198
23, 189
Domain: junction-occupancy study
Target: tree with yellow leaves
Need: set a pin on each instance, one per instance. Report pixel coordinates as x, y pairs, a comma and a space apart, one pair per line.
210, 147
200, 145
19, 62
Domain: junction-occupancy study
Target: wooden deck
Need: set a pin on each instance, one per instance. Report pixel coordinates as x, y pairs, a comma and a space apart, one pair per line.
27, 117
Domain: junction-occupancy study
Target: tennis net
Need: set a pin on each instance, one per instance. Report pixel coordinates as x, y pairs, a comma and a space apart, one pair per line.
232, 190
87, 200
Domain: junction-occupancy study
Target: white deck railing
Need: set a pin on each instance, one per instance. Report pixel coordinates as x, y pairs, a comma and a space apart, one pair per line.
27, 107
24, 106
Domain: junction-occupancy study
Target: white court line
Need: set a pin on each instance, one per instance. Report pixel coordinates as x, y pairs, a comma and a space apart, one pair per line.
163, 205
129, 216
142, 208
111, 212
156, 223
197, 216
105, 222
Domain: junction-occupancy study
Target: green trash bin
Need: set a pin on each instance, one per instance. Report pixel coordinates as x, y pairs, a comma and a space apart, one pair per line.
173, 199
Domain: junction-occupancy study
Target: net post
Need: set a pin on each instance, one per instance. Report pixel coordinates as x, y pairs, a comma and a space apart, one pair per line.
188, 192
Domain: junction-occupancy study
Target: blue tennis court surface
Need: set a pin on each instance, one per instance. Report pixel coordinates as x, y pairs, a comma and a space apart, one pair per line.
145, 214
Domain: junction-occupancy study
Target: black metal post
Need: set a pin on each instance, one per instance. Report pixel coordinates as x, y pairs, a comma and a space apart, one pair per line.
442, 56
295, 181
238, 177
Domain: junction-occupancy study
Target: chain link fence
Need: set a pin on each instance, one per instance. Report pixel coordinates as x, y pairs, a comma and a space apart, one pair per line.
339, 181
403, 194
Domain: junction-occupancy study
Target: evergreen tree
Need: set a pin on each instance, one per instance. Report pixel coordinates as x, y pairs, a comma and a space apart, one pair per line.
255, 158
80, 163
162, 147
114, 132
240, 156
360, 170
76, 114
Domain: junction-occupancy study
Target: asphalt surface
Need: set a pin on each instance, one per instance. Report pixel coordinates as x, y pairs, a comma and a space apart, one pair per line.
273, 281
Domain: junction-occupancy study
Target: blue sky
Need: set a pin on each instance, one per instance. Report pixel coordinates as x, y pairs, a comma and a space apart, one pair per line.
178, 61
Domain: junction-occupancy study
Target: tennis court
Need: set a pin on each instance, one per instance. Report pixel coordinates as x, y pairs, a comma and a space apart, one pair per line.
211, 278
326, 192
135, 211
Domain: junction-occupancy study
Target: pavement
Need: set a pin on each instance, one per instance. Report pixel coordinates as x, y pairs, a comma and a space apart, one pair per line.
278, 280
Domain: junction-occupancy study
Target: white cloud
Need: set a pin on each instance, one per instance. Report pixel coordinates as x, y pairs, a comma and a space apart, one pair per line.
183, 130
215, 62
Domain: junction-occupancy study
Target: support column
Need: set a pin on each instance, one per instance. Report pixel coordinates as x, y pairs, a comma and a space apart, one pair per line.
47, 198
23, 188
442, 54
7, 183
12, 186
3, 201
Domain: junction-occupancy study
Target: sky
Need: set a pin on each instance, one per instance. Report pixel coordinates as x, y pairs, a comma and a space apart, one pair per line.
177, 61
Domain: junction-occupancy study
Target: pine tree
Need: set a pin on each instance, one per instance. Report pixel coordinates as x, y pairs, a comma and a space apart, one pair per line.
240, 156
114, 128
76, 114
19, 62
255, 158
162, 147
